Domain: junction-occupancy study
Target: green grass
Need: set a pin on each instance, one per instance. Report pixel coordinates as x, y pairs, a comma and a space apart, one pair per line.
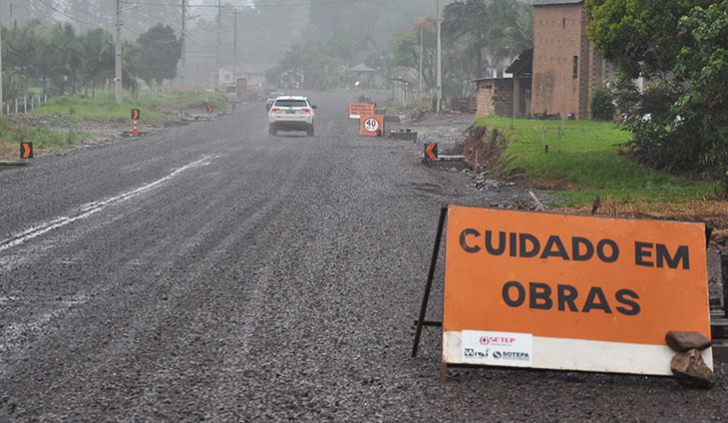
42, 138
155, 108
589, 162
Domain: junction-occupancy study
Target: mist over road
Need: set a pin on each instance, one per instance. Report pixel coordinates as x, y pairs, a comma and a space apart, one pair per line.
213, 272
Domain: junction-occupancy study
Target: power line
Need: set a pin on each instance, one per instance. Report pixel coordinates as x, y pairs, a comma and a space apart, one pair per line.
67, 15
89, 15
257, 6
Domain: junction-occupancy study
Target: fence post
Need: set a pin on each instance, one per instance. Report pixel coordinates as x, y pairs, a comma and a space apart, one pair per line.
724, 279
16, 105
25, 104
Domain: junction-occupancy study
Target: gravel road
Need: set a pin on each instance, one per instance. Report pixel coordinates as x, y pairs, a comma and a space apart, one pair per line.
215, 273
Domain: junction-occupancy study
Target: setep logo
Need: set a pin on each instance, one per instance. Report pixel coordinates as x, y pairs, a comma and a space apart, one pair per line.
496, 340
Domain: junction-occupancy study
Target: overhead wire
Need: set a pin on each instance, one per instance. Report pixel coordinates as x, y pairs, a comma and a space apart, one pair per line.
89, 15
67, 15
254, 6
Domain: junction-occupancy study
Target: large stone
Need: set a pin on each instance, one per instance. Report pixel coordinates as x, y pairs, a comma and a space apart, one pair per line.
685, 341
691, 371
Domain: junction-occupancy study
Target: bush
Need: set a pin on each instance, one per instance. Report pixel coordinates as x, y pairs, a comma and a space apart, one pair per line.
602, 105
665, 139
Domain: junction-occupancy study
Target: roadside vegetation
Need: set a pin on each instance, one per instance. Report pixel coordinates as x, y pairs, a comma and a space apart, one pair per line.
156, 108
43, 125
593, 162
680, 121
43, 139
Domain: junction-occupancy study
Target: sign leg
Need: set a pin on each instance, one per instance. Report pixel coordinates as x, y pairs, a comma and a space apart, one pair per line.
430, 277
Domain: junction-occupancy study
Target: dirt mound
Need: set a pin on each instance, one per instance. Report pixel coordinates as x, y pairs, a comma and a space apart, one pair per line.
484, 149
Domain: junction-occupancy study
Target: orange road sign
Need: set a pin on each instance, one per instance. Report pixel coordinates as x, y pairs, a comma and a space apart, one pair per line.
371, 126
209, 109
571, 292
431, 151
135, 114
26, 150
357, 111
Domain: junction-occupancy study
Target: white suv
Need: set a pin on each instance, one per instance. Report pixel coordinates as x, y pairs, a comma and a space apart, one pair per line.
291, 113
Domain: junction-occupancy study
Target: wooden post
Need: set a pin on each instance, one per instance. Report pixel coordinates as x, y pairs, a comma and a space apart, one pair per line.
559, 140
724, 273
543, 138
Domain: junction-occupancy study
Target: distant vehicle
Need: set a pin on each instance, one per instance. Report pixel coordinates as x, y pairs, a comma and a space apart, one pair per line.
291, 113
271, 99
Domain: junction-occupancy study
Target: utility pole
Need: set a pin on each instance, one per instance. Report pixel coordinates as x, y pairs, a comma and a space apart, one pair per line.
117, 79
183, 36
216, 77
422, 50
1, 70
439, 61
235, 48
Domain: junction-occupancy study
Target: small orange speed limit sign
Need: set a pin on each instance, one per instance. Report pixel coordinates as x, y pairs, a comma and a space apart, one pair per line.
371, 126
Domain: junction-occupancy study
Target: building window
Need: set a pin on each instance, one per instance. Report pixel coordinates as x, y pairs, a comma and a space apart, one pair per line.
576, 67
563, 23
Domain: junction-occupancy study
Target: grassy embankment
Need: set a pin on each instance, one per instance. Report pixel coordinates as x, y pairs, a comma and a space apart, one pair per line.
68, 111
590, 166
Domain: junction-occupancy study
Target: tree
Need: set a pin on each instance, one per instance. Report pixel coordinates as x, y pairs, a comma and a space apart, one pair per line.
64, 50
97, 58
406, 50
162, 50
512, 32
703, 66
134, 67
680, 122
468, 22
20, 47
501, 29
641, 35
310, 66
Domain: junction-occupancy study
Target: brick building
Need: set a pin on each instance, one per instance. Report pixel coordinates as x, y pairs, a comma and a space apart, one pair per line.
566, 67
506, 96
494, 97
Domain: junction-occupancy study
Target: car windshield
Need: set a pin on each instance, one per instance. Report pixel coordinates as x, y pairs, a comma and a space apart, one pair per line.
291, 103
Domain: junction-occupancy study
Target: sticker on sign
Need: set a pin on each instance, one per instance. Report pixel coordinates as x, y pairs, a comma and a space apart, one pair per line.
497, 348
371, 125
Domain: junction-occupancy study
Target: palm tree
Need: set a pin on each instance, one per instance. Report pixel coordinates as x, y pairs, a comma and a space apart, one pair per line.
511, 29
467, 22
65, 49
499, 28
97, 60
